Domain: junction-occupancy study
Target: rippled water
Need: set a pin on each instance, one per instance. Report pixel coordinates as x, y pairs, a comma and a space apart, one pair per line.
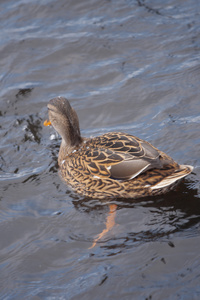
131, 66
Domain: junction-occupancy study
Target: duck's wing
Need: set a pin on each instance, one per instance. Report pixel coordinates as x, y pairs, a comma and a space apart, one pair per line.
121, 156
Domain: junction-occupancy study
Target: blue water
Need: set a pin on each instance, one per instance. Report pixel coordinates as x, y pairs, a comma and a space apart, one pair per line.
129, 66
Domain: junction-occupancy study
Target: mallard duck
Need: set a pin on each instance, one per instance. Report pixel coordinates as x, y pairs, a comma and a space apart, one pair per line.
113, 165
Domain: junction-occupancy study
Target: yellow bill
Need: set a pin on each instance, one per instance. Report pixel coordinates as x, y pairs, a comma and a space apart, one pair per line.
47, 123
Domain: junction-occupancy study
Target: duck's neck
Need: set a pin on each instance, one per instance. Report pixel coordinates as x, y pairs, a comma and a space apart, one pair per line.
66, 149
71, 135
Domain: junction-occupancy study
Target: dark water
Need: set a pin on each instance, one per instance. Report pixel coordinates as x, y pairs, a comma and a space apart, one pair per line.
132, 66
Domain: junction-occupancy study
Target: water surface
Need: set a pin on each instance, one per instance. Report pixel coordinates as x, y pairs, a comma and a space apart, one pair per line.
130, 66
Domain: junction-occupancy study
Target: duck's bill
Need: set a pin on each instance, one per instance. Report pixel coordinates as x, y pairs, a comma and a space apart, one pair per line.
47, 123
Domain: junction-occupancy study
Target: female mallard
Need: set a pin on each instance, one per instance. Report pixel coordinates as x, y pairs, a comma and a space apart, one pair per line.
112, 165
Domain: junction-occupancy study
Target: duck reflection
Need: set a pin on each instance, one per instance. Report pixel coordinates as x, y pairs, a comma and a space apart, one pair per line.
152, 217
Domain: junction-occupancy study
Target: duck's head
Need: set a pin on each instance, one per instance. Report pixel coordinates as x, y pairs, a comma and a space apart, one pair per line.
65, 120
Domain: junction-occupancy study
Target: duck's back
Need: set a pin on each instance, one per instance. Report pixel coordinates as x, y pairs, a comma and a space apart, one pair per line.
119, 165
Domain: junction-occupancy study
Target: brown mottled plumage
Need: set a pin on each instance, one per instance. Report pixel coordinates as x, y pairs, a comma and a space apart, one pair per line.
114, 164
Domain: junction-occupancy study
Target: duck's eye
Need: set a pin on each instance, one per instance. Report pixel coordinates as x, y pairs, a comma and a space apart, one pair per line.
50, 109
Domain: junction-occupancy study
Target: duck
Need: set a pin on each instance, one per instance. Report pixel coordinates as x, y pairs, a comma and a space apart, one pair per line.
112, 165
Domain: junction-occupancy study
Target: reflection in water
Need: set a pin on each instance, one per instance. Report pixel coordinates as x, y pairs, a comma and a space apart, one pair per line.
24, 92
110, 222
152, 218
32, 129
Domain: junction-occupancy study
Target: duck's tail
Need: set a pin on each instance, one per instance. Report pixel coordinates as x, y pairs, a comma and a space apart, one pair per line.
172, 179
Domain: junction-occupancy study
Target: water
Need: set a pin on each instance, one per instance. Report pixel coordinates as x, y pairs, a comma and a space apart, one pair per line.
131, 66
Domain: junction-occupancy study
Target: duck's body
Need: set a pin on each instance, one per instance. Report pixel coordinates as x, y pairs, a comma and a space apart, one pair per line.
113, 165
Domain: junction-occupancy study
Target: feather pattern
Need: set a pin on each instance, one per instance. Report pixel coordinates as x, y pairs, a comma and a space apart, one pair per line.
114, 164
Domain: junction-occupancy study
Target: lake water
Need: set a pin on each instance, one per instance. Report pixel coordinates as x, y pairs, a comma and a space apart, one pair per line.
131, 66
